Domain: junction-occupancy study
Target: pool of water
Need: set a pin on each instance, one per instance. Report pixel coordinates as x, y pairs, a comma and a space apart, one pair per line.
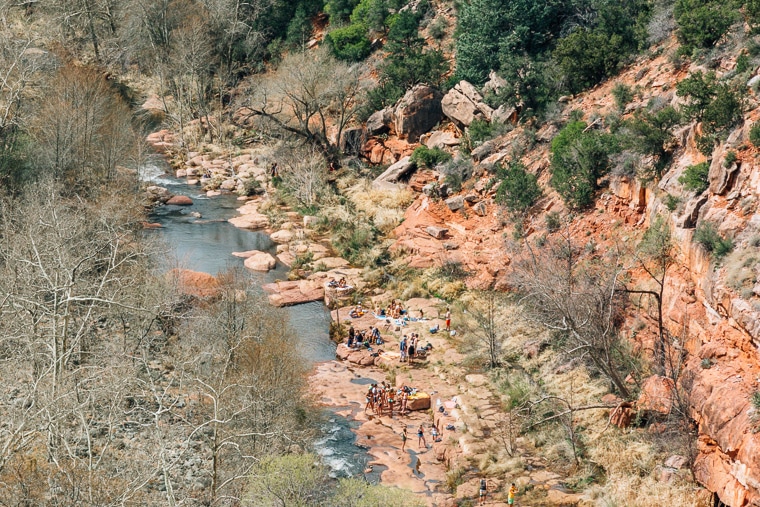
206, 244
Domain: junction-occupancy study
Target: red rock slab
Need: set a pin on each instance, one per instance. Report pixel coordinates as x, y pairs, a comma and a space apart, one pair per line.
293, 293
195, 283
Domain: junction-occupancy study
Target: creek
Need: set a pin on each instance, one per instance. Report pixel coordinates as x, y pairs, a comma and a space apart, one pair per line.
206, 244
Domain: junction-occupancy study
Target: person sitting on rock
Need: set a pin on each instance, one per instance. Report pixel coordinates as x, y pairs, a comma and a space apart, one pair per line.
332, 283
342, 282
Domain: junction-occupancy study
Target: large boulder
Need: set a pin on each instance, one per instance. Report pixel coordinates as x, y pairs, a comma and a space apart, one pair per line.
455, 203
436, 232
418, 112
180, 200
484, 151
250, 221
504, 114
260, 261
195, 283
282, 236
463, 104
495, 83
158, 194
294, 292
399, 170
380, 122
419, 401
438, 139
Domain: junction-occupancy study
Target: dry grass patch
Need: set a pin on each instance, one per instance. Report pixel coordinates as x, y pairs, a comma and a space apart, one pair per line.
385, 208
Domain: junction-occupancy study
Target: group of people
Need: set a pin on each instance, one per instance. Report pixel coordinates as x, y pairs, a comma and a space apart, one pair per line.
408, 346
393, 311
511, 493
364, 338
340, 284
383, 398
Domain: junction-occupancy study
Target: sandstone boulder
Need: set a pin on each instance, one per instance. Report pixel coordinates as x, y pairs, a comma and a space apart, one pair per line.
504, 114
293, 293
180, 200
463, 104
250, 221
440, 140
397, 171
437, 232
228, 184
483, 151
195, 283
333, 262
495, 83
260, 261
417, 112
455, 203
419, 401
379, 122
282, 236
158, 194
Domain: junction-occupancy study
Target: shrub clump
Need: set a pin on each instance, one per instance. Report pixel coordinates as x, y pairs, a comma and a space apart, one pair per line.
518, 190
754, 135
701, 23
349, 43
579, 158
695, 177
429, 157
707, 236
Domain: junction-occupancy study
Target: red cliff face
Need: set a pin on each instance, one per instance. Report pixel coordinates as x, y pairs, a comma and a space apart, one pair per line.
711, 307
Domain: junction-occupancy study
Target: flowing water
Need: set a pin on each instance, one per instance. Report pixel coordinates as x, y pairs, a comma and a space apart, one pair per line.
205, 244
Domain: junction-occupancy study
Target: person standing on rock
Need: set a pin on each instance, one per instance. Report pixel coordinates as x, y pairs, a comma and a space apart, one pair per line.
404, 437
402, 346
448, 319
512, 494
483, 491
421, 437
370, 398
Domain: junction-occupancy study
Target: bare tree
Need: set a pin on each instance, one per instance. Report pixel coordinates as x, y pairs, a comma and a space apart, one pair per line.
20, 66
234, 28
579, 300
96, 21
654, 254
307, 95
304, 175
487, 328
191, 77
83, 129
68, 268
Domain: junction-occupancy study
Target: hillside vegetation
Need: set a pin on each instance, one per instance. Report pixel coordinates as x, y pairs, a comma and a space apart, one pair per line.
588, 171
